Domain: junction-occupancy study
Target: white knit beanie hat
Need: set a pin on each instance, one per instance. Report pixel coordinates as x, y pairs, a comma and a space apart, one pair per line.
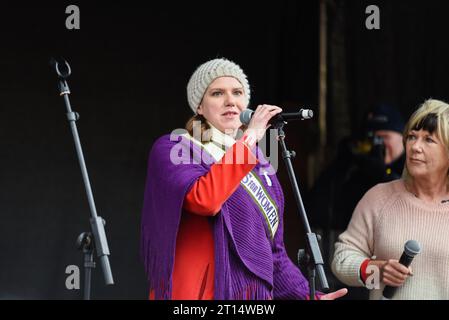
208, 72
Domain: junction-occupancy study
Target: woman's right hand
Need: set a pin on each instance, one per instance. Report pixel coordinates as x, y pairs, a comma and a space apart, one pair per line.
392, 272
259, 120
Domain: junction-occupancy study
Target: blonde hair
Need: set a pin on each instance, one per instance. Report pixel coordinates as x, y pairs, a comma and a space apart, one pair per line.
432, 116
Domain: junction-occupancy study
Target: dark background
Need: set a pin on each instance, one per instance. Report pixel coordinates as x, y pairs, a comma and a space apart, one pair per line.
130, 66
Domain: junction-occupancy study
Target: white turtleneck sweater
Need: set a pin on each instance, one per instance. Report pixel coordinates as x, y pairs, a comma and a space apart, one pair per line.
384, 219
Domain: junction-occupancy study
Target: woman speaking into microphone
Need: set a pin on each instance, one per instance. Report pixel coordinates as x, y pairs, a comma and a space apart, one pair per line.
212, 219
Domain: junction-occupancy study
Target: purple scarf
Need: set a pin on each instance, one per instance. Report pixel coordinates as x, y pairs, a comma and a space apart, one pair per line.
248, 264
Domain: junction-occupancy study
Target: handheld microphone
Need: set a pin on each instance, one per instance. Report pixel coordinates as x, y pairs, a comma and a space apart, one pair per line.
411, 249
303, 114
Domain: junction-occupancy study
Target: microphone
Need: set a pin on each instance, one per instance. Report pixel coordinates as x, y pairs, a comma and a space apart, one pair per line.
245, 116
411, 249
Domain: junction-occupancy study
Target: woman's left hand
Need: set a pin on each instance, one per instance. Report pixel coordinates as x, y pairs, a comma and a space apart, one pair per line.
334, 295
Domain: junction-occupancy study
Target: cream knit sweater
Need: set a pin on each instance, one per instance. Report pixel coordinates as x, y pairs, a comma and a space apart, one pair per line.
384, 219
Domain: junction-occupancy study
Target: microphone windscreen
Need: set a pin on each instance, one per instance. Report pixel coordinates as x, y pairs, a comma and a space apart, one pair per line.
306, 113
245, 116
412, 248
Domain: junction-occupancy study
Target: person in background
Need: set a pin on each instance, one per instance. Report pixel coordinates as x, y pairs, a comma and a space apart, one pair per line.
376, 154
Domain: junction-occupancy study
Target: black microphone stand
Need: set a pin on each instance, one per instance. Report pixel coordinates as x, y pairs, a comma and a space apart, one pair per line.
88, 242
312, 255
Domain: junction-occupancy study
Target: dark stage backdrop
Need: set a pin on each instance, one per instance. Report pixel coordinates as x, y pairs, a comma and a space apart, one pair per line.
130, 66
401, 64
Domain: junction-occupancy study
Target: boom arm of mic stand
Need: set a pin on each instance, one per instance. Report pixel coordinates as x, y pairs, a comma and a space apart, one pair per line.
101, 245
317, 259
